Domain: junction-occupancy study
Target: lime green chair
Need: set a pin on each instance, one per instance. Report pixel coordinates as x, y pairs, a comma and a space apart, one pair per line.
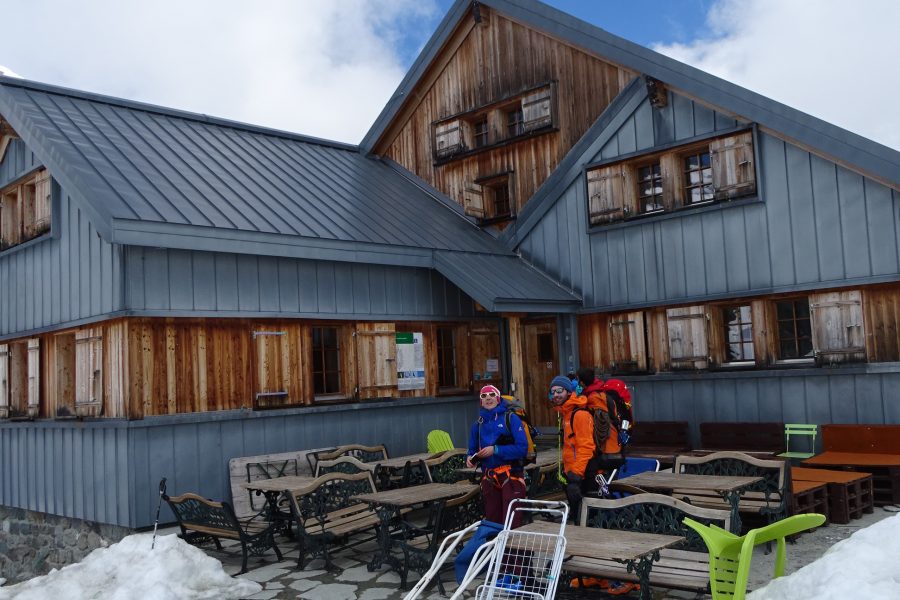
439, 441
796, 429
730, 555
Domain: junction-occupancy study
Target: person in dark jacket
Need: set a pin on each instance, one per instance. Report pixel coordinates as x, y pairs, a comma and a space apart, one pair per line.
497, 444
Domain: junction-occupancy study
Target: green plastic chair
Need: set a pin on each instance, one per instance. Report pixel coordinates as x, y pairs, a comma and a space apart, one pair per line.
730, 555
439, 441
796, 429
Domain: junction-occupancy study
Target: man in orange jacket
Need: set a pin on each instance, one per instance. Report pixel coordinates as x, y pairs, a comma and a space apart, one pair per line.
578, 438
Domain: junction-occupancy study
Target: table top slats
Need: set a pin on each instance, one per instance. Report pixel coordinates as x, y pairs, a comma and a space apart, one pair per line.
417, 494
607, 544
668, 481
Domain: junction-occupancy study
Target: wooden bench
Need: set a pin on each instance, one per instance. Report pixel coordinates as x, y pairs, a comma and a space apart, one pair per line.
873, 449
850, 494
202, 520
683, 567
325, 513
362, 453
662, 440
769, 498
764, 440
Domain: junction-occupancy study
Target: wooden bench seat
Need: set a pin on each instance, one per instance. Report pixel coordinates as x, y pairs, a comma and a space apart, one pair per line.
684, 567
769, 497
873, 449
325, 513
202, 520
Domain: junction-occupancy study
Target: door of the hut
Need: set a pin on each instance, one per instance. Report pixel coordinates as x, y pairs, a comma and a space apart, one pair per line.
541, 366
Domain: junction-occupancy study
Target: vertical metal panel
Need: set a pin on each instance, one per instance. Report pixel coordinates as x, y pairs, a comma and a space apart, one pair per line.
643, 126
288, 285
802, 209
736, 276
694, 241
250, 297
674, 263
180, 269
882, 217
617, 282
69, 276
267, 288
828, 219
636, 269
870, 399
683, 116
664, 124
704, 119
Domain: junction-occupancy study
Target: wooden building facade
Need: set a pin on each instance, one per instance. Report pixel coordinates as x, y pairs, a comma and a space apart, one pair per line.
537, 195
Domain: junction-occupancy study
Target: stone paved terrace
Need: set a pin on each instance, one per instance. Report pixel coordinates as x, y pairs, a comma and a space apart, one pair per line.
282, 581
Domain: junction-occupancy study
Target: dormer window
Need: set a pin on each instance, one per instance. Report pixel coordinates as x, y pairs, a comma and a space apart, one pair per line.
25, 209
480, 132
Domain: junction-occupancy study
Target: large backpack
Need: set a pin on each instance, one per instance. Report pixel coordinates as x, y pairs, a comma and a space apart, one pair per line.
515, 407
602, 422
622, 411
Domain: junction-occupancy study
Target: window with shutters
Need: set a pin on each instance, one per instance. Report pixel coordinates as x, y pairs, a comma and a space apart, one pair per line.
89, 372
446, 358
326, 361
687, 337
701, 173
25, 209
838, 335
627, 343
490, 199
737, 334
524, 115
794, 329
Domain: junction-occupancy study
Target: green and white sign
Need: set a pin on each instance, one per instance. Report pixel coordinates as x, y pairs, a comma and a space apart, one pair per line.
410, 361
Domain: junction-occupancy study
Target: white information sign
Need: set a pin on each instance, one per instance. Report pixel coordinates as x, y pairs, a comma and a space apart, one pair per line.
410, 361
493, 365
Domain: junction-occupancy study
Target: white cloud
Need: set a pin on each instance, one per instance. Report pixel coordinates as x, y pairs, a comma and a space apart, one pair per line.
319, 68
832, 59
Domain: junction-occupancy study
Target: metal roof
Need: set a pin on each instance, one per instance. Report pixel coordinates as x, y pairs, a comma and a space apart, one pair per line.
505, 283
152, 176
868, 156
143, 168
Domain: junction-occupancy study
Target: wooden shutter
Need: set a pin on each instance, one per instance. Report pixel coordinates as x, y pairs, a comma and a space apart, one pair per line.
473, 201
448, 138
376, 359
608, 190
732, 166
837, 326
42, 202
4, 381
273, 368
628, 348
537, 110
89, 372
687, 337
34, 377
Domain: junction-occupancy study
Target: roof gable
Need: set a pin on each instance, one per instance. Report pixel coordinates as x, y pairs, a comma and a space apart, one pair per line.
878, 161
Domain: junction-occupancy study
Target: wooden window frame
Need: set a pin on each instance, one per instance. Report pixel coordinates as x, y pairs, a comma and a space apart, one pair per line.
342, 350
442, 348
723, 328
731, 165
515, 121
689, 186
481, 132
779, 358
26, 209
654, 177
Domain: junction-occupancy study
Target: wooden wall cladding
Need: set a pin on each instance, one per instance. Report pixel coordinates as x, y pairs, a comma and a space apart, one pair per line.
881, 308
485, 63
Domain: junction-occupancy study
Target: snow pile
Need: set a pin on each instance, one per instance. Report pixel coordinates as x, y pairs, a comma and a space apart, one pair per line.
130, 569
865, 565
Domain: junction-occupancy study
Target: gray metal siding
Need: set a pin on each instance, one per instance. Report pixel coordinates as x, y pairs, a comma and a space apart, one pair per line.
17, 161
74, 275
183, 282
818, 225
861, 394
108, 471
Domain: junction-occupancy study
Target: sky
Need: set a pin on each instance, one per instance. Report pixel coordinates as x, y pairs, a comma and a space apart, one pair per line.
864, 565
326, 69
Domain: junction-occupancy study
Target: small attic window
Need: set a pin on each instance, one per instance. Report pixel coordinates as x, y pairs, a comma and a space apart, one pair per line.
25, 209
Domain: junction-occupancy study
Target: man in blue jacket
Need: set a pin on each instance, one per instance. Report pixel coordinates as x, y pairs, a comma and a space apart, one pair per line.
497, 444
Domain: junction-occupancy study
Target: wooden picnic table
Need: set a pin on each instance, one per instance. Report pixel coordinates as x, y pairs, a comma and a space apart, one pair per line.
636, 550
731, 488
385, 468
389, 504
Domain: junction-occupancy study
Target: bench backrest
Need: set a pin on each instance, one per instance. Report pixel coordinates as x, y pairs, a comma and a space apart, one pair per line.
443, 468
358, 451
773, 490
245, 469
674, 434
344, 464
328, 493
756, 437
652, 513
191, 509
878, 439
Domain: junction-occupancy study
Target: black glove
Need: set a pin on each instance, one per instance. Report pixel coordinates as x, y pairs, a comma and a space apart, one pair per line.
573, 478
573, 494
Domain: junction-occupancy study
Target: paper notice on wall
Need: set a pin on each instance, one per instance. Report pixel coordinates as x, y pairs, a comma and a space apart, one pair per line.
410, 361
493, 365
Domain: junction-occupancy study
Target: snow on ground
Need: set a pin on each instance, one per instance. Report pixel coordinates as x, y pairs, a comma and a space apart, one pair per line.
173, 570
865, 565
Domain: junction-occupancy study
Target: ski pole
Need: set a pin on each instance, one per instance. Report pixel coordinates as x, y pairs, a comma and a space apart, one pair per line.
162, 491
